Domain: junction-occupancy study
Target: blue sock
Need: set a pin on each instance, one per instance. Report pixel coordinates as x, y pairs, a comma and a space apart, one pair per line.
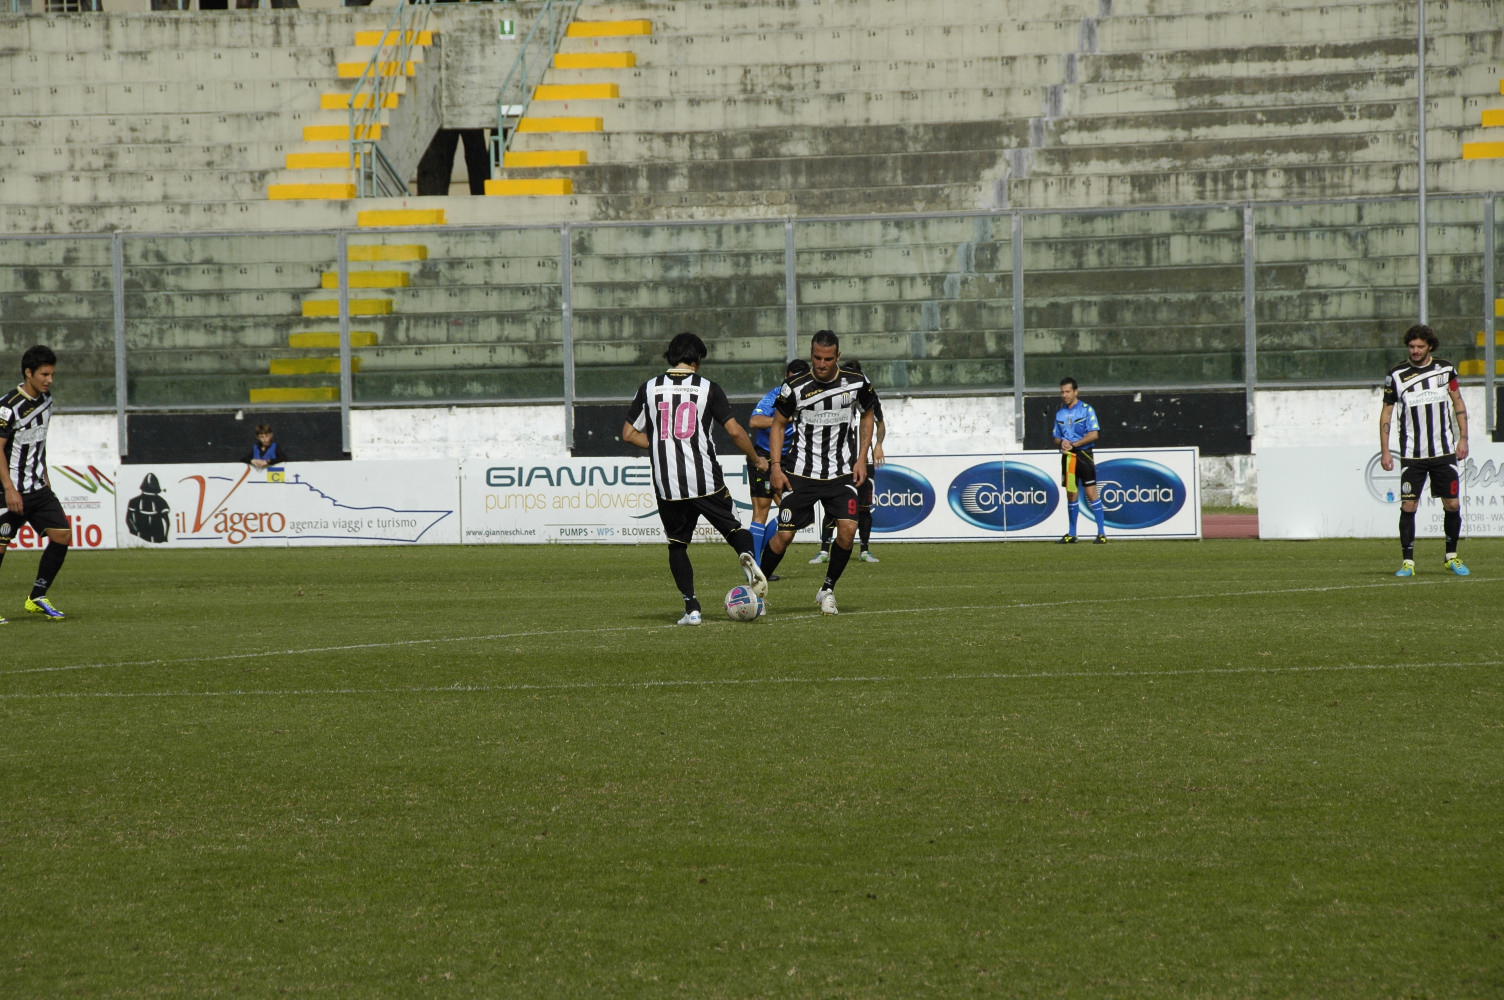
1096, 512
1074, 509
759, 535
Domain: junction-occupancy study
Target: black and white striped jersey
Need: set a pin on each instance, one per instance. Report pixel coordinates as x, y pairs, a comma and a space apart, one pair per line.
23, 425
1423, 399
824, 419
676, 410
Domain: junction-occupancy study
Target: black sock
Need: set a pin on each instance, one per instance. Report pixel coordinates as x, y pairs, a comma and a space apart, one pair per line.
864, 527
1452, 521
52, 561
684, 575
770, 558
741, 540
839, 557
1407, 534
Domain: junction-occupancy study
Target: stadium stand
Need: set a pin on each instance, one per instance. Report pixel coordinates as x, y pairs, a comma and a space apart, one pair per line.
754, 112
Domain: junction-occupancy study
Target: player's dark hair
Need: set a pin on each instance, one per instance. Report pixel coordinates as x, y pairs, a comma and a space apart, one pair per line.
265, 429
36, 357
1068, 381
798, 366
685, 349
825, 338
1421, 331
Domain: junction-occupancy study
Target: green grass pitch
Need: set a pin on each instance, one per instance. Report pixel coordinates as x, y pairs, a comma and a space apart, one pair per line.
1222, 769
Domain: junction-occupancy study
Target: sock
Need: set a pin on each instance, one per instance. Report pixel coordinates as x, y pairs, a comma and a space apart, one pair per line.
1099, 514
759, 536
1407, 534
52, 561
864, 527
741, 540
770, 560
1073, 508
684, 575
839, 557
1452, 521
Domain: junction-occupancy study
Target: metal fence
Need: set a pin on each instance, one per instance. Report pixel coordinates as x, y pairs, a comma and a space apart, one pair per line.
1238, 297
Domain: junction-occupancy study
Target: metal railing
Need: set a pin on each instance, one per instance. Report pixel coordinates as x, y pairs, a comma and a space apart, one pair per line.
376, 88
1241, 297
535, 55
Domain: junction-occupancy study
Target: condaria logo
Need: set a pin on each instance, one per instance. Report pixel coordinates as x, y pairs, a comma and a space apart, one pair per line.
1003, 496
1138, 493
901, 498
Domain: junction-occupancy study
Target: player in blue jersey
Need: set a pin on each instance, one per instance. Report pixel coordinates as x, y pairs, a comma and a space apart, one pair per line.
1076, 434
762, 429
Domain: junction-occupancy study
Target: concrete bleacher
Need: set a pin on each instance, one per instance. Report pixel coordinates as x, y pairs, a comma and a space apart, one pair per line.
756, 110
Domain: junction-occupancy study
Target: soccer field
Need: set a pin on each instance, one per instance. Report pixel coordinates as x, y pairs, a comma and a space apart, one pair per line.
1157, 769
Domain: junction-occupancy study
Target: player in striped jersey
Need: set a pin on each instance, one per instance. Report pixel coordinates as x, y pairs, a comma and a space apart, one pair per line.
24, 414
1425, 390
671, 416
829, 463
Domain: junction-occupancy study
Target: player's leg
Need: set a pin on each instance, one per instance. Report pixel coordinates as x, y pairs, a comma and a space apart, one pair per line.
841, 507
1411, 479
762, 503
720, 511
795, 511
1446, 483
827, 531
46, 515
9, 525
864, 495
679, 518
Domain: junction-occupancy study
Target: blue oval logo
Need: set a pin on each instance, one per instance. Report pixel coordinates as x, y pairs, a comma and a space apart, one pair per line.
901, 498
1138, 493
1003, 496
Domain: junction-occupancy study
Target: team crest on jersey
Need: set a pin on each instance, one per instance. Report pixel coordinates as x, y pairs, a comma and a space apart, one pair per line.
6, 414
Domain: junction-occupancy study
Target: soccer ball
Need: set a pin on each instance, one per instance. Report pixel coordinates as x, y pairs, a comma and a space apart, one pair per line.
742, 605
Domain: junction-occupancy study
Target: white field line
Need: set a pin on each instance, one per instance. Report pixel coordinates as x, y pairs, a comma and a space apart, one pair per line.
704, 682
505, 636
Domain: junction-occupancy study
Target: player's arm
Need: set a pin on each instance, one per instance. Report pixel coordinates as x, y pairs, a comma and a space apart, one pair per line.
877, 445
776, 477
1459, 410
859, 471
1058, 436
631, 435
760, 421
744, 444
1090, 437
12, 495
1386, 415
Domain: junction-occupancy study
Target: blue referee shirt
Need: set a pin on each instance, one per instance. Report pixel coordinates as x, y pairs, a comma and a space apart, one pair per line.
763, 436
1072, 423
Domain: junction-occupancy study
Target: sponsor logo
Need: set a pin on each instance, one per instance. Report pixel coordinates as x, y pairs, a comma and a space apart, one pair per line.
1382, 486
529, 476
1138, 493
901, 498
1003, 496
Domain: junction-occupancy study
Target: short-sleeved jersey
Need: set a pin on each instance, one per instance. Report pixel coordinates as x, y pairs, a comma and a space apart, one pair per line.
676, 411
23, 425
1072, 423
762, 436
824, 422
1423, 397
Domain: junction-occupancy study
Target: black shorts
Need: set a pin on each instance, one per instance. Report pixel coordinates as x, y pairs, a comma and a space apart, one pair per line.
797, 510
1086, 468
679, 517
758, 481
43, 512
1442, 472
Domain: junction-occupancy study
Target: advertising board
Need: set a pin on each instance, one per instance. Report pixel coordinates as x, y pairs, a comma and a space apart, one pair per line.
307, 503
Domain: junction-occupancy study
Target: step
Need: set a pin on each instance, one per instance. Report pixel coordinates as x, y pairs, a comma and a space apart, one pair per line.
311, 366
595, 60
608, 29
330, 341
376, 218
561, 124
343, 102
297, 192
358, 307
506, 187
577, 92
311, 394
368, 279
383, 253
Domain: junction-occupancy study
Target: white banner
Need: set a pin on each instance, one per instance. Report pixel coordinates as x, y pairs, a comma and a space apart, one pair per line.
305, 503
87, 494
1344, 492
1148, 493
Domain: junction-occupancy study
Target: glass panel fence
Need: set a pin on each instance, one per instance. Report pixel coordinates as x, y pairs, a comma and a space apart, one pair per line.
635, 287
458, 316
59, 292
923, 303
